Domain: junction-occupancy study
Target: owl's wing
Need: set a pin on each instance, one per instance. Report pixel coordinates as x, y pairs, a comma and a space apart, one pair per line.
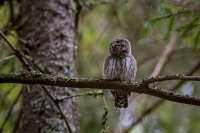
106, 67
133, 69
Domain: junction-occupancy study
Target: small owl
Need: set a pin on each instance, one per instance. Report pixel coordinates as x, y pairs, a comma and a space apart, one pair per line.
121, 66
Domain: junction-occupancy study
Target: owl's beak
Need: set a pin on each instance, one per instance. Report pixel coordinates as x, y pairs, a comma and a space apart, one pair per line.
124, 50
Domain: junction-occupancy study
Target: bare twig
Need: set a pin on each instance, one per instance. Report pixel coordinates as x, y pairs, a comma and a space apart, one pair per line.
165, 55
58, 107
6, 58
16, 52
173, 77
22, 58
178, 13
95, 93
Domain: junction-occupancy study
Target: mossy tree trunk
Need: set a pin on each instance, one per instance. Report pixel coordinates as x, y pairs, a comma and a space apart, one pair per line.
49, 32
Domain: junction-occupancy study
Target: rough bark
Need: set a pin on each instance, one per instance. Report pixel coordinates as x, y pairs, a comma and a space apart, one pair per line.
49, 30
142, 87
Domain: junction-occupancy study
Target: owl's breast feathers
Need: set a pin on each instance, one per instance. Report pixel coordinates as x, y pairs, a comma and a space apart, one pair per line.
122, 68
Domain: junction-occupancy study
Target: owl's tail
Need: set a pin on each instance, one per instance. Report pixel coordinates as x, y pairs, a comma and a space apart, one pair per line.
121, 98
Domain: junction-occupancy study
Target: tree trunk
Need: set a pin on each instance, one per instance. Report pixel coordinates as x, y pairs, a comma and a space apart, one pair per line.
49, 30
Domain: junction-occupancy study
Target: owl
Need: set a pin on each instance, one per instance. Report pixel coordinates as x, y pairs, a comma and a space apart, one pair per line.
121, 66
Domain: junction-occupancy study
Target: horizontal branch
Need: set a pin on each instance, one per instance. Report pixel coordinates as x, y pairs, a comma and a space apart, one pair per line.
172, 77
141, 87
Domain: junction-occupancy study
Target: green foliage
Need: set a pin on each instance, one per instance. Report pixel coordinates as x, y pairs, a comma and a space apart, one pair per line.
4, 15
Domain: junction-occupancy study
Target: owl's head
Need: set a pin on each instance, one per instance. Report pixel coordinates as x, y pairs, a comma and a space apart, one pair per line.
120, 47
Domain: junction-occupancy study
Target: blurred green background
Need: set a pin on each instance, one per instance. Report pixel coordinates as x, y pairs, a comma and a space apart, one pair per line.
149, 25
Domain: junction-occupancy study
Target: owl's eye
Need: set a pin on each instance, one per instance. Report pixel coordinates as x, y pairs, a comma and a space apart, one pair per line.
123, 45
117, 41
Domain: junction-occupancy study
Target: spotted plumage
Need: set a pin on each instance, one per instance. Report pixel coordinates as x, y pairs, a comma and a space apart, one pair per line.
120, 65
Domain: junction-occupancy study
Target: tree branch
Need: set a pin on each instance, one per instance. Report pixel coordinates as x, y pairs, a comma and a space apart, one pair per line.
141, 87
172, 77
